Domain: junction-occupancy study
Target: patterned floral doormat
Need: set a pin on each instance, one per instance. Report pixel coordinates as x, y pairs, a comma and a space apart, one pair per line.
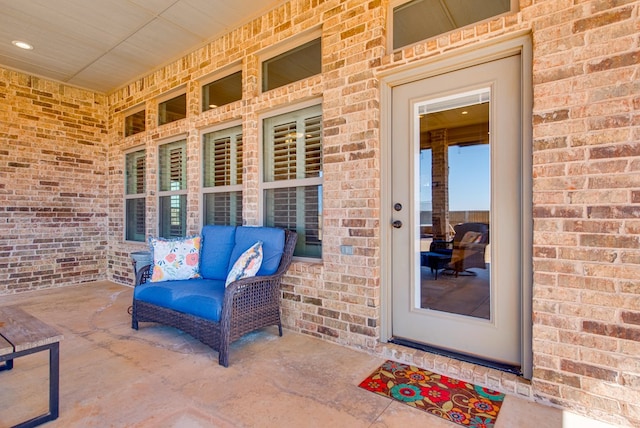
454, 400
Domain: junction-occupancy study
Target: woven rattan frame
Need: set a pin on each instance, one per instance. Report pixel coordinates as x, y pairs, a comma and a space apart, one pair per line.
249, 304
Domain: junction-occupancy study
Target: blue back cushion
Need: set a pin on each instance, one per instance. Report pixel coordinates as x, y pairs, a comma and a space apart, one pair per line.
272, 246
217, 244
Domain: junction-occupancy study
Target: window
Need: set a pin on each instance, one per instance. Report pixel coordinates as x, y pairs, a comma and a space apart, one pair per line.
173, 189
134, 123
172, 110
420, 19
222, 177
296, 64
135, 192
293, 176
222, 91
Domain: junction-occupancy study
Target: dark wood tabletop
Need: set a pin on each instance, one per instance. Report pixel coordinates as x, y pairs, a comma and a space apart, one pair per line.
21, 331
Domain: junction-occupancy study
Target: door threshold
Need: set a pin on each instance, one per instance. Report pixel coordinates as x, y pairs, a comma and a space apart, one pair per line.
516, 370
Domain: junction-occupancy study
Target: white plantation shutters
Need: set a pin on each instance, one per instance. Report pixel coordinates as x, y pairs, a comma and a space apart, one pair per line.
135, 193
140, 190
173, 189
313, 146
284, 151
293, 176
176, 168
222, 171
140, 170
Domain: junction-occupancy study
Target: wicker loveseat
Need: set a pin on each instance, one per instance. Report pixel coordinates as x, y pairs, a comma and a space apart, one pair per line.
206, 309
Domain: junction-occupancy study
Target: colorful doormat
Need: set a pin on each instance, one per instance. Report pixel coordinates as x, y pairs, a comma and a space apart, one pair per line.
454, 400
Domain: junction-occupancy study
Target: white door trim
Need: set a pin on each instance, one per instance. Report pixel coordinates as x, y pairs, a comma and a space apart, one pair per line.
454, 60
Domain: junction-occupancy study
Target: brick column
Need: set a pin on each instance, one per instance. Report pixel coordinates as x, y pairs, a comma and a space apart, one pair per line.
440, 183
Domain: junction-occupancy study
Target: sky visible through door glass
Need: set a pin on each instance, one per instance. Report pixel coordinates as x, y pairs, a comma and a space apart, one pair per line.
469, 177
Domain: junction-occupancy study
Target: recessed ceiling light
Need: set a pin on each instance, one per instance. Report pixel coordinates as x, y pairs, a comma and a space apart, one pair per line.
465, 112
22, 45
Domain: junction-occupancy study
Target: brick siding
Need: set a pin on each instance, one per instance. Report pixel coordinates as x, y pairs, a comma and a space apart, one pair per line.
586, 185
53, 184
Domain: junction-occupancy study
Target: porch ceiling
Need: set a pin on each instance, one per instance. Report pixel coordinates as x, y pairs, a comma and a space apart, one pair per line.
102, 45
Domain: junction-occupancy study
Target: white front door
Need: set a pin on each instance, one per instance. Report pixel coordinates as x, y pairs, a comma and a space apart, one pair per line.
457, 221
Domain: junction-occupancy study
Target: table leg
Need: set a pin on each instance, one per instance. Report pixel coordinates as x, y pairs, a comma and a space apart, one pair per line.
54, 385
8, 365
54, 380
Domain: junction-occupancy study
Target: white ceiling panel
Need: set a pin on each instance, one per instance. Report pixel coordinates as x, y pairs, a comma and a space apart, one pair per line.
157, 43
104, 44
200, 17
34, 69
111, 72
156, 6
197, 21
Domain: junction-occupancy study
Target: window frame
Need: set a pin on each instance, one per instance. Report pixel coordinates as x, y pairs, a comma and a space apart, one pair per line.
286, 46
293, 183
231, 188
514, 7
182, 192
135, 196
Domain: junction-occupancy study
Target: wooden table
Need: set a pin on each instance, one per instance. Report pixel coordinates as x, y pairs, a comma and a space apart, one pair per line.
22, 334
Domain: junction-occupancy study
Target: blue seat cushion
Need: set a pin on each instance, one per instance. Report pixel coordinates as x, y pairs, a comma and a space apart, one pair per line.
272, 246
199, 297
217, 244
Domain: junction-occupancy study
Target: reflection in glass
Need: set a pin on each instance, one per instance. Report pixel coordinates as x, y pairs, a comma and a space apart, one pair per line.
455, 185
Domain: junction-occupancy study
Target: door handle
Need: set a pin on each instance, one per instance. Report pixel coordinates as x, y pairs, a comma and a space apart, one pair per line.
397, 224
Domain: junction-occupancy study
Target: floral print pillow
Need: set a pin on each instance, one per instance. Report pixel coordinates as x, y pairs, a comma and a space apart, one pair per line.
247, 264
175, 258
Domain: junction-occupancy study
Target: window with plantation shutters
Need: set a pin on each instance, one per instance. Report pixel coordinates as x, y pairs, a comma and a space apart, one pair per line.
222, 177
135, 193
292, 179
172, 190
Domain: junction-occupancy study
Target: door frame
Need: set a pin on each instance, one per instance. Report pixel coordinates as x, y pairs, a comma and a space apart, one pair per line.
519, 42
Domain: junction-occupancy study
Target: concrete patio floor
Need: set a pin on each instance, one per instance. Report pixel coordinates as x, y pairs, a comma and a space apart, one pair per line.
113, 376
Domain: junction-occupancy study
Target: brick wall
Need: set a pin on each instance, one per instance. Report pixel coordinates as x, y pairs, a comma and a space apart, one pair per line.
586, 161
53, 188
586, 332
586, 239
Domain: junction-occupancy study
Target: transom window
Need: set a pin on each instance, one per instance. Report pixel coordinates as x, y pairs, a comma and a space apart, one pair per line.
296, 64
222, 177
222, 91
421, 19
134, 123
173, 189
172, 110
292, 179
135, 193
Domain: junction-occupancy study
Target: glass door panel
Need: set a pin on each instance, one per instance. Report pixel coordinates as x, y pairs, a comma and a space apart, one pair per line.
455, 201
